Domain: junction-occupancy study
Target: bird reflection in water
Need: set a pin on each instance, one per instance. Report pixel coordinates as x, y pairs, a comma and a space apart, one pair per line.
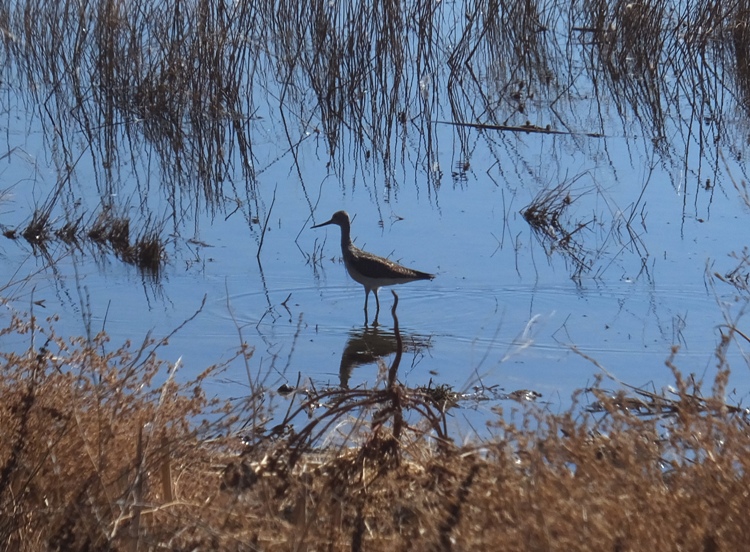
371, 344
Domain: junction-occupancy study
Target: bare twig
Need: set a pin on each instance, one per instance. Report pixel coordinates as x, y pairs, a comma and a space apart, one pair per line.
265, 225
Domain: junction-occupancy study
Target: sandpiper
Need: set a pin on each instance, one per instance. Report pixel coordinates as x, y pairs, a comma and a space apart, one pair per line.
371, 271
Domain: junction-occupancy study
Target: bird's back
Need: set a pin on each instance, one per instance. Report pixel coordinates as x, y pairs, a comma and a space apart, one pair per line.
373, 271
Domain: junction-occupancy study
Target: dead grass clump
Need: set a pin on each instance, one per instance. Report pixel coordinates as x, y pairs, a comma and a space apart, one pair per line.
545, 216
556, 482
98, 230
94, 452
108, 230
119, 234
39, 230
111, 229
69, 232
149, 252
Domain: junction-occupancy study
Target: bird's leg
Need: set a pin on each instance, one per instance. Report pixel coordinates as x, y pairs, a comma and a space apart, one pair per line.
367, 295
377, 311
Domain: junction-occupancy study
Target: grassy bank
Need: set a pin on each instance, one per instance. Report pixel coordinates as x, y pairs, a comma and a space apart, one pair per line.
103, 449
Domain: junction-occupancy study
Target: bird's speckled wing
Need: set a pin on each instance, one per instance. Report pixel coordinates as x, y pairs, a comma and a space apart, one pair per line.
373, 266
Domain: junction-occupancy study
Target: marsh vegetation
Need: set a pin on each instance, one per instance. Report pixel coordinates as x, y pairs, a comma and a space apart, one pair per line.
99, 455
193, 88
133, 127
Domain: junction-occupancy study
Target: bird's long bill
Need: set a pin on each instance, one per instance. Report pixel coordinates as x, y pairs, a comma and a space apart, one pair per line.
322, 224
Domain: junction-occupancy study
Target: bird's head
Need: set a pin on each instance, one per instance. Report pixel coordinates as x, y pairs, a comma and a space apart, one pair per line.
340, 218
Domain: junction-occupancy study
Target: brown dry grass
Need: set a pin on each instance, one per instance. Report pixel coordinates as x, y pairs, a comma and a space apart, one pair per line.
96, 455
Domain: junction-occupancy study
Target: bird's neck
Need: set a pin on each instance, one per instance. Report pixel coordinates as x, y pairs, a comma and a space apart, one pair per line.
346, 240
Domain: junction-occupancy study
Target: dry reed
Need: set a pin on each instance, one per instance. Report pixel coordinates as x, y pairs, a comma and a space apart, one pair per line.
104, 449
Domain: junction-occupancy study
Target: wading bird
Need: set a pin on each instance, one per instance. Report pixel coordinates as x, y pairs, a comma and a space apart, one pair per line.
371, 271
